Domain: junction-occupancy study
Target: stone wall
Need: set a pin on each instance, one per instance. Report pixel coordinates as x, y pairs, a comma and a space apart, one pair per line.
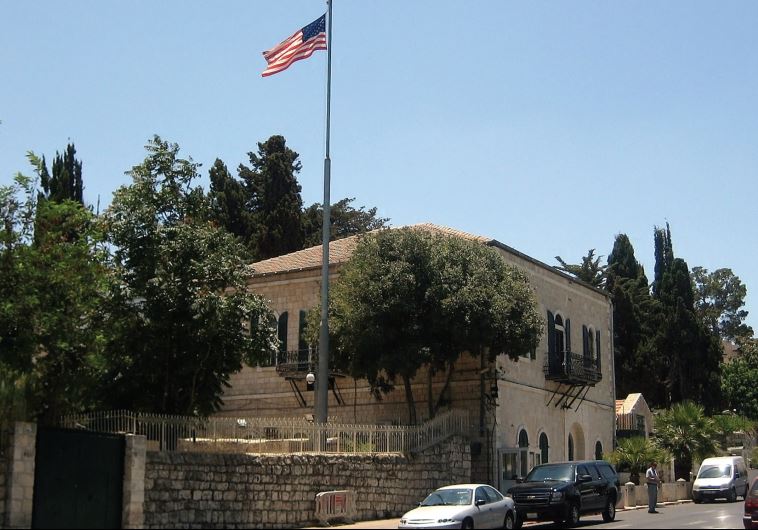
195, 490
18, 478
5, 450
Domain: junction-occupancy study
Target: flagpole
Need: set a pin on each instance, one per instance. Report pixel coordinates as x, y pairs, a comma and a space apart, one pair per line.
322, 381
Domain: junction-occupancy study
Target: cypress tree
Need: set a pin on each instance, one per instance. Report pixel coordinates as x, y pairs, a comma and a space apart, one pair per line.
635, 368
275, 198
229, 206
66, 179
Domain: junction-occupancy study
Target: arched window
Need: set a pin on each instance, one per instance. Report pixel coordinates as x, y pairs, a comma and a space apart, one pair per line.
543, 448
571, 448
523, 445
598, 451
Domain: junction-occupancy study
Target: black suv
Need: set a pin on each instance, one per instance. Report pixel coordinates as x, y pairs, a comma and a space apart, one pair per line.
563, 491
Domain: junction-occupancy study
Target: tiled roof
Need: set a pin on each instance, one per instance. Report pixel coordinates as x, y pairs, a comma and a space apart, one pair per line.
339, 252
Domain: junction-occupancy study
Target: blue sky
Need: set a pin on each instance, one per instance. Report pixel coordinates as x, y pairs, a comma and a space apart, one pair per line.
549, 126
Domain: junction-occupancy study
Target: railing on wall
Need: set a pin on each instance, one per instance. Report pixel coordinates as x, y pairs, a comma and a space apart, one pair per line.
271, 435
571, 368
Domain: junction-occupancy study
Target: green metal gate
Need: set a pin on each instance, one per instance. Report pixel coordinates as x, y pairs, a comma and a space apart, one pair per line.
78, 479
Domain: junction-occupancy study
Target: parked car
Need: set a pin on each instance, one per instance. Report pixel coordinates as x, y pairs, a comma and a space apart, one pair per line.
462, 506
721, 477
750, 519
564, 491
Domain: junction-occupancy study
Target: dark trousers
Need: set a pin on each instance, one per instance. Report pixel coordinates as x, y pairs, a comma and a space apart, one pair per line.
652, 497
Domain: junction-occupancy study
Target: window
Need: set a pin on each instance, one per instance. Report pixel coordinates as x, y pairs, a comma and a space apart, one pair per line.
544, 448
607, 471
493, 494
598, 451
282, 331
571, 448
523, 444
480, 495
581, 470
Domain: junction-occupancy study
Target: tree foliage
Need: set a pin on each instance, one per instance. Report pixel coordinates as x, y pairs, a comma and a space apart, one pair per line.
634, 454
345, 221
720, 301
590, 271
739, 380
53, 280
65, 182
690, 353
272, 185
637, 369
687, 433
177, 296
229, 206
409, 298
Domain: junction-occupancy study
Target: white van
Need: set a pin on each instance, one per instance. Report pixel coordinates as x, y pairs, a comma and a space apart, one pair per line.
721, 477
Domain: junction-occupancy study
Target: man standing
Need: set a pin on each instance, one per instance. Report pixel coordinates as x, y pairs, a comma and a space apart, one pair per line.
652, 479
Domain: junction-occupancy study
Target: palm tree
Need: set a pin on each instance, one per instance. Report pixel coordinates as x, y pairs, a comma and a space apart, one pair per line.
727, 425
687, 433
635, 454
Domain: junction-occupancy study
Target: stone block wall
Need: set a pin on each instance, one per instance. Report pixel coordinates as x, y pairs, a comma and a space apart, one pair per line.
5, 450
195, 490
19, 475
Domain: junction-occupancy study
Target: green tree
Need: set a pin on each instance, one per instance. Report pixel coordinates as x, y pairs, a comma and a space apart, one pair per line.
691, 355
49, 335
274, 192
635, 454
720, 302
590, 271
230, 205
738, 380
636, 368
725, 425
345, 221
409, 298
178, 298
66, 179
686, 432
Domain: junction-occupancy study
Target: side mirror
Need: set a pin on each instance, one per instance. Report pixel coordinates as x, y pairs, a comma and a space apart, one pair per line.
479, 502
585, 478
737, 474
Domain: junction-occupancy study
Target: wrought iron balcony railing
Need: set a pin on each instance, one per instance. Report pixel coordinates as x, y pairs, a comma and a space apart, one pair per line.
294, 361
571, 368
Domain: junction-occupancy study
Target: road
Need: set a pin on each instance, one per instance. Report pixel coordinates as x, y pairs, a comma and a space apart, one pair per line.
719, 514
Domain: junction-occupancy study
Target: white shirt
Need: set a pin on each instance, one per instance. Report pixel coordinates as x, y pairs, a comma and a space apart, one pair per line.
652, 476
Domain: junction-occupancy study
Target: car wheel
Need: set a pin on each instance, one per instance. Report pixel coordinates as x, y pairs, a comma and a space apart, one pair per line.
609, 513
510, 522
732, 495
468, 523
697, 500
573, 518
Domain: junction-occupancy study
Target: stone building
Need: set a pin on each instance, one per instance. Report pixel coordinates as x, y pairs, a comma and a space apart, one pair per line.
554, 403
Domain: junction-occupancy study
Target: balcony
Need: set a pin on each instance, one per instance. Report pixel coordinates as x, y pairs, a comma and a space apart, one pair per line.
571, 368
294, 362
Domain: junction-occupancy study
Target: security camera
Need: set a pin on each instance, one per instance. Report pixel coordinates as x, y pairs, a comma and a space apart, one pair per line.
310, 378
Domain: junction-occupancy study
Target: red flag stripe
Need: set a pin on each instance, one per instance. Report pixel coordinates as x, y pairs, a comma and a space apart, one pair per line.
292, 53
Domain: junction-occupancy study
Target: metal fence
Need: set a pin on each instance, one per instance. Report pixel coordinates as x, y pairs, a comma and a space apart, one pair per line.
271, 435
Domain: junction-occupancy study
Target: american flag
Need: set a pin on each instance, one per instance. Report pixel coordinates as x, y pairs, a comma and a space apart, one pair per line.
301, 45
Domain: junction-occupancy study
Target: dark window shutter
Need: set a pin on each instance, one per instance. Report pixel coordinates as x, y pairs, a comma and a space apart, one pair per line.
568, 334
302, 343
597, 349
586, 346
550, 332
282, 331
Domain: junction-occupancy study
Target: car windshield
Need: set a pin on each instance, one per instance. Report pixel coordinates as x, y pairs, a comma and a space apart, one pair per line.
564, 472
449, 497
715, 472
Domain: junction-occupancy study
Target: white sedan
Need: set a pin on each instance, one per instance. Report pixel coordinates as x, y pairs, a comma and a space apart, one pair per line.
462, 506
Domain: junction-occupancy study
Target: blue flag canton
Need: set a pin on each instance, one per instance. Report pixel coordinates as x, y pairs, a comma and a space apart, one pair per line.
314, 28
